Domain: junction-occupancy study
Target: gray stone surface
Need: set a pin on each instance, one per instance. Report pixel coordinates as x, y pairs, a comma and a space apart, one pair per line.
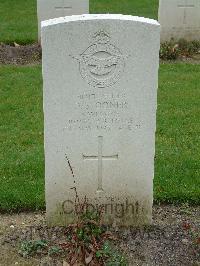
49, 9
100, 77
179, 19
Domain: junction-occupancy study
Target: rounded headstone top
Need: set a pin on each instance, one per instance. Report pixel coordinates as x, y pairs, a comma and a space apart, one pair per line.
88, 17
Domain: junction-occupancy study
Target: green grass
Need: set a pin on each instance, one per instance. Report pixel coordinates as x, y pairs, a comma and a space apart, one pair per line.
177, 170
18, 18
143, 8
18, 21
22, 159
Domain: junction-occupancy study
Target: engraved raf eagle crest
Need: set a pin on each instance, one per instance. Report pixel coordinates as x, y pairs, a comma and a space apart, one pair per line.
101, 64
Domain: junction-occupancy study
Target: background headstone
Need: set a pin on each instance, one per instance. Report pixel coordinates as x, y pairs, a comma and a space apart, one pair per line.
49, 9
100, 77
179, 19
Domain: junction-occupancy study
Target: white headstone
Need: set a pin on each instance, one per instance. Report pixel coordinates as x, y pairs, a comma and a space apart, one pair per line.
179, 19
100, 94
49, 9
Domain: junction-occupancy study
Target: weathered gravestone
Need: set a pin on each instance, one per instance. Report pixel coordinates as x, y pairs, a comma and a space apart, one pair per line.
179, 19
48, 9
100, 81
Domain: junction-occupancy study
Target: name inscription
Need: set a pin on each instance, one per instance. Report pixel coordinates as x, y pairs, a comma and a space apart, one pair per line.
102, 111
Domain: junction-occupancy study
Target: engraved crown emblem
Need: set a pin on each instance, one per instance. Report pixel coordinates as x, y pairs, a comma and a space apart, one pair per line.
101, 37
101, 64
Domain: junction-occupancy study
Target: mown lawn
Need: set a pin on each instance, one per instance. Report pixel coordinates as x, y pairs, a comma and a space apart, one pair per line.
177, 169
18, 18
22, 159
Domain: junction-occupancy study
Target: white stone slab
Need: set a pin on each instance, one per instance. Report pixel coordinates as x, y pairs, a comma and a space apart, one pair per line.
100, 77
179, 19
49, 9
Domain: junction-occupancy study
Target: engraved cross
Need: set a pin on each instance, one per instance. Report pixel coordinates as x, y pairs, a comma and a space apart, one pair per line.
100, 158
185, 7
63, 7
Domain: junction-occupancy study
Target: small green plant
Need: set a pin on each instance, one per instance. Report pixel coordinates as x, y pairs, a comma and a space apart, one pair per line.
54, 251
169, 51
189, 48
30, 248
173, 50
85, 242
114, 257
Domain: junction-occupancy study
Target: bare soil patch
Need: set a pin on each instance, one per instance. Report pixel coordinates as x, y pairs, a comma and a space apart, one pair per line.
32, 54
173, 239
20, 55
